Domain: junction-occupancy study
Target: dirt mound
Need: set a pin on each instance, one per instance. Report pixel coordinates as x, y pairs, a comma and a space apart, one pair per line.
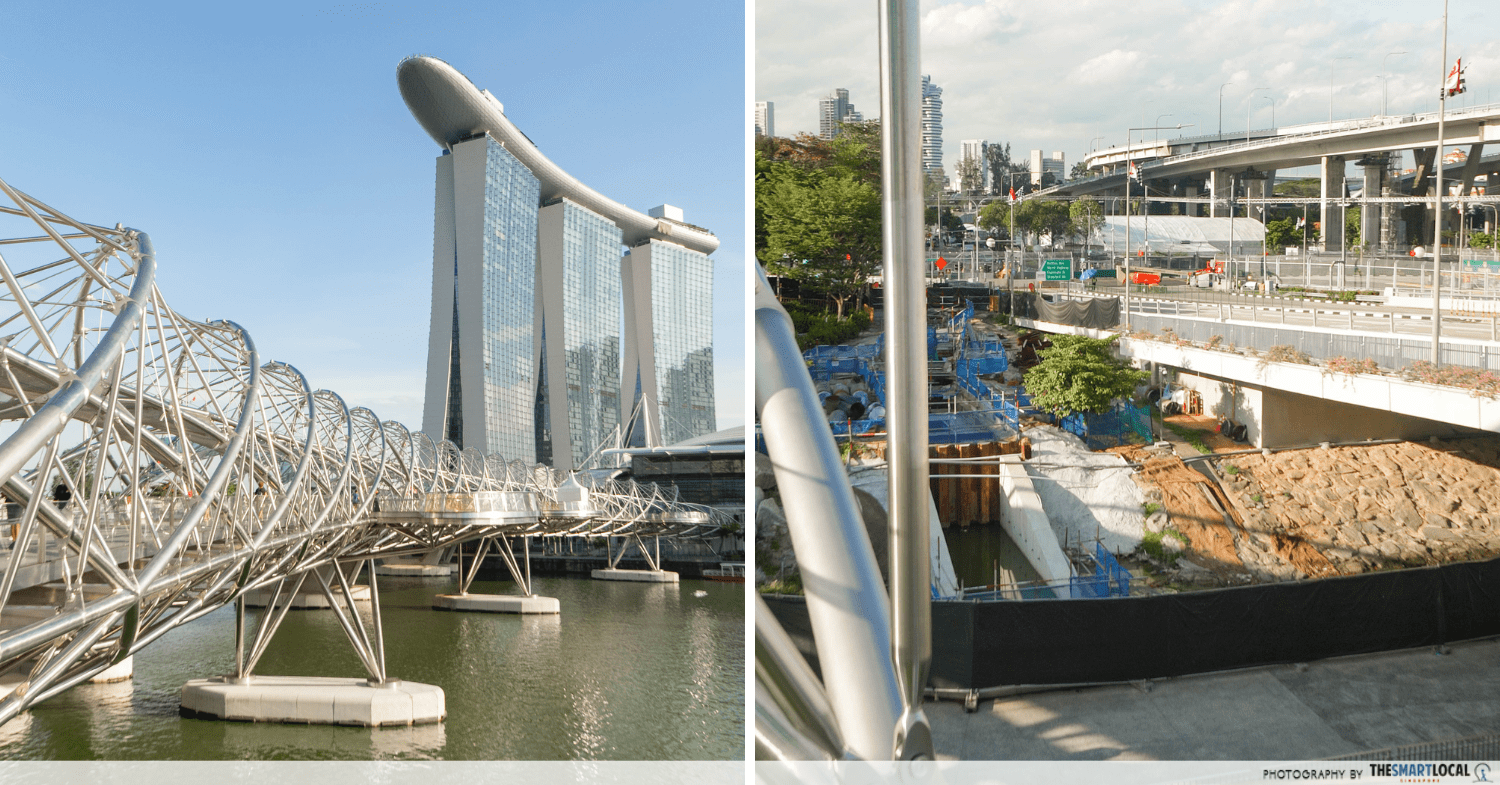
1198, 510
1347, 510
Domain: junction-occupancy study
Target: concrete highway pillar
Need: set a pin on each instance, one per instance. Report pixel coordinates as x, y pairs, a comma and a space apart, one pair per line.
1471, 167
1264, 189
1369, 215
1332, 190
1424, 157
1218, 184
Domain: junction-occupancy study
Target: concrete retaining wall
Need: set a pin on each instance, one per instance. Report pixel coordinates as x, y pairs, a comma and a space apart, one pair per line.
1026, 522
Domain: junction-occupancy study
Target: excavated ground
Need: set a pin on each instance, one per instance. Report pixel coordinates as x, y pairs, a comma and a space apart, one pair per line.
1340, 511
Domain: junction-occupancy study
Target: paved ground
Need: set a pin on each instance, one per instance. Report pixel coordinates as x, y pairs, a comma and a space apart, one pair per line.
1324, 709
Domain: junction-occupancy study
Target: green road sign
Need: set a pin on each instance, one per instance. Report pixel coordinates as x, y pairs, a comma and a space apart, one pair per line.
1057, 269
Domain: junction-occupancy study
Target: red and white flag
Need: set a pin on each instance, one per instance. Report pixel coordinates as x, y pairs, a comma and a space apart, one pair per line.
1012, 194
1455, 83
1135, 174
1301, 222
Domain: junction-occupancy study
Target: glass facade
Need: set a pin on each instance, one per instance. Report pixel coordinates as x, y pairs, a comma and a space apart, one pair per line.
511, 196
591, 327
682, 294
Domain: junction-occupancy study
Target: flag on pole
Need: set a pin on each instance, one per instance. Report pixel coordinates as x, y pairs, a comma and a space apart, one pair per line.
1012, 194
1455, 83
1135, 174
1301, 222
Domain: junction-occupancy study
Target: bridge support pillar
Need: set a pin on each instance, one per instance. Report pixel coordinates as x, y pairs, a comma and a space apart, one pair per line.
1263, 189
1471, 168
370, 702
1370, 216
528, 602
654, 575
1332, 213
1220, 187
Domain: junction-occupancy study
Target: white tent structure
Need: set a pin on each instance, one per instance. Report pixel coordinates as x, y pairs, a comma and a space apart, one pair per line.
1181, 235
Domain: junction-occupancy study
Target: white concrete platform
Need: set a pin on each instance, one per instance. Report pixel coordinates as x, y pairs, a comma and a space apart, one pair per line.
119, 672
639, 576
496, 603
314, 701
307, 599
412, 569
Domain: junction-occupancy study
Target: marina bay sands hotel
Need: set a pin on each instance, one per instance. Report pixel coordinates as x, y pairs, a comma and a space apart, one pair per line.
539, 286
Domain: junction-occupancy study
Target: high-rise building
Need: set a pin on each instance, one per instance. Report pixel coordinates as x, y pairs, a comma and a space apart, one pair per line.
932, 125
974, 150
833, 110
669, 330
765, 118
1056, 165
529, 295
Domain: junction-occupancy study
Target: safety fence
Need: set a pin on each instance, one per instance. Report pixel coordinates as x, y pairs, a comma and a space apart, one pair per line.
1108, 579
979, 645
1388, 351
1125, 424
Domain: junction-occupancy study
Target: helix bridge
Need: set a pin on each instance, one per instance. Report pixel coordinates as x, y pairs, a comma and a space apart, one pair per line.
156, 469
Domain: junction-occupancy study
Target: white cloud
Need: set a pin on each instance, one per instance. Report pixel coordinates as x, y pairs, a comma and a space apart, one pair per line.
1055, 76
1113, 66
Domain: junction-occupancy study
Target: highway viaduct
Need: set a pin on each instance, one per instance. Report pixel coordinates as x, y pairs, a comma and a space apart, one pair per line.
1206, 174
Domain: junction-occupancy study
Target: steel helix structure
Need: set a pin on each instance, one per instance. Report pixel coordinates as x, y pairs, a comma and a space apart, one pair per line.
156, 469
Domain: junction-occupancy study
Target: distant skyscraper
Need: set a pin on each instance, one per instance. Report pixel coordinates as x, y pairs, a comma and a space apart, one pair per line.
833, 110
528, 297
1056, 166
765, 118
975, 149
932, 125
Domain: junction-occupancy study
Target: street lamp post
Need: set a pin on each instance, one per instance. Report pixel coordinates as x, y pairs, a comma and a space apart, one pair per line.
1437, 213
1128, 131
1249, 109
1385, 79
1221, 107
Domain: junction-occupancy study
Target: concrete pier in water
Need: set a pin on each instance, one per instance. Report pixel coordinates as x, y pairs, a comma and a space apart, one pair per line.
496, 603
638, 576
314, 700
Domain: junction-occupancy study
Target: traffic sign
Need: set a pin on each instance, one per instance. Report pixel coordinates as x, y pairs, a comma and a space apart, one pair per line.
1057, 269
941, 263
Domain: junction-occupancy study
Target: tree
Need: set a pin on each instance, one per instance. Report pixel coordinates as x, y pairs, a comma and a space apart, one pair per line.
1080, 169
1351, 225
970, 175
997, 158
1086, 215
951, 222
1282, 233
1080, 374
995, 218
821, 227
1037, 217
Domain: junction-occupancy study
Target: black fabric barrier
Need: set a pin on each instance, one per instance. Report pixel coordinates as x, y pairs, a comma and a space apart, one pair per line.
1099, 313
978, 645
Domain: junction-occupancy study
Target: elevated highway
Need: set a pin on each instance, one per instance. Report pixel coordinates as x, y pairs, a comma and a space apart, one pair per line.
1209, 174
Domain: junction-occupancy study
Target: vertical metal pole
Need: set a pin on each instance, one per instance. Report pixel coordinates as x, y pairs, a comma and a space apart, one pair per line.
375, 613
1127, 230
1437, 212
906, 379
239, 636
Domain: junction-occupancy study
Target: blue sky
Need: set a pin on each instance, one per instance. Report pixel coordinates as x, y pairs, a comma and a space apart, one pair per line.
267, 151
